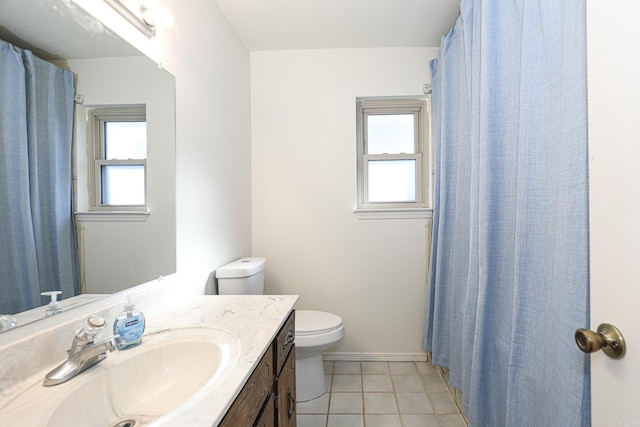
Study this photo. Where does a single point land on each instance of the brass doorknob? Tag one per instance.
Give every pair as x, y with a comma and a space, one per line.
608, 338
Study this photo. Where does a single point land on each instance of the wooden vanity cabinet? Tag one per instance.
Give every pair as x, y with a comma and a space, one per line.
249, 403
284, 341
285, 384
267, 417
286, 389
268, 399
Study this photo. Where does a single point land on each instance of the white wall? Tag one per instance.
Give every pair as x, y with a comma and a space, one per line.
370, 272
117, 255
213, 157
301, 113
211, 67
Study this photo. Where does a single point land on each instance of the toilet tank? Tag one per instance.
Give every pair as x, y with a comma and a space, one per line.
244, 276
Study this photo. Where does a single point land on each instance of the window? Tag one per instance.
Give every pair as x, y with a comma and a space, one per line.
118, 148
392, 153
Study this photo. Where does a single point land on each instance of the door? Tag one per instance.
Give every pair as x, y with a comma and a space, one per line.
613, 58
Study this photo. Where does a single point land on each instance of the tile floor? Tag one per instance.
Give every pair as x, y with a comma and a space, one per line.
381, 394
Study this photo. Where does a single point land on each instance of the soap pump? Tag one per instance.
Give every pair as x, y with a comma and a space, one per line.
129, 325
54, 305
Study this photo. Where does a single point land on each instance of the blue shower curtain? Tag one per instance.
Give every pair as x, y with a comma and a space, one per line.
509, 275
37, 234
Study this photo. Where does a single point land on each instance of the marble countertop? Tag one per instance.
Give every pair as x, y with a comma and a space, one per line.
253, 320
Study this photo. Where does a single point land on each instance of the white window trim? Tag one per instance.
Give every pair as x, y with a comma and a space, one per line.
112, 216
419, 105
393, 213
95, 146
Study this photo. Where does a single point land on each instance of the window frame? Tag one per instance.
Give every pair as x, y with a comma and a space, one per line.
418, 106
97, 117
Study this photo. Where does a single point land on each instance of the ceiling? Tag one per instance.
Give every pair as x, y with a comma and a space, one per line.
262, 25
319, 24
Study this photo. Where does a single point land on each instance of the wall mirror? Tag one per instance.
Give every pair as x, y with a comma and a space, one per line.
117, 250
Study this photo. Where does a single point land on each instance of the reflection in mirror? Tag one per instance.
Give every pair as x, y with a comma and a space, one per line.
117, 247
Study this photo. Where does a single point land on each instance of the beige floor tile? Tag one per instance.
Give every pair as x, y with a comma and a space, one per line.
426, 368
319, 405
375, 368
452, 420
414, 403
346, 368
328, 367
303, 420
443, 403
387, 394
407, 383
433, 382
376, 383
340, 420
343, 383
376, 420
420, 420
380, 403
345, 403
402, 368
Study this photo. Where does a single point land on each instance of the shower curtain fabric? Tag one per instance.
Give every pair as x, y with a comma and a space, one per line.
509, 273
37, 234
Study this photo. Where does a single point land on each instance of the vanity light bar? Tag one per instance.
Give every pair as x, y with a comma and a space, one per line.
143, 26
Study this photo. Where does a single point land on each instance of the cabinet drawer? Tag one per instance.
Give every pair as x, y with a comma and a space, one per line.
247, 406
284, 341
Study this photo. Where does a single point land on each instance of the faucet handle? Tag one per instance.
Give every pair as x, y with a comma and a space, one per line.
87, 332
90, 328
7, 322
96, 321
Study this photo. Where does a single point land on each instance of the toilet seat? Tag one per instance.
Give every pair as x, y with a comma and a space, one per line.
317, 331
313, 322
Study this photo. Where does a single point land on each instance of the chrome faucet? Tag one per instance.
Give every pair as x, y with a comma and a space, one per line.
84, 352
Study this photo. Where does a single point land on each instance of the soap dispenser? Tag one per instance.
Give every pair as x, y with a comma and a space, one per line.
129, 325
54, 305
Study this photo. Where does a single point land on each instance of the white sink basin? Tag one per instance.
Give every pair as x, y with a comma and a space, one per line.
134, 387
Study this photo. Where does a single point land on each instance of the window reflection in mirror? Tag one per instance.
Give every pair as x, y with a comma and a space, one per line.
117, 250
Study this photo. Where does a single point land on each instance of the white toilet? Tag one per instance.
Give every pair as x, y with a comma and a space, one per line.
316, 331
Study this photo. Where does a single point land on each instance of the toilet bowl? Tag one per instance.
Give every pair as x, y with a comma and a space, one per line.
316, 331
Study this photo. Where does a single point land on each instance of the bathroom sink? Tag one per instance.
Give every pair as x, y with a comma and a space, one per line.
135, 387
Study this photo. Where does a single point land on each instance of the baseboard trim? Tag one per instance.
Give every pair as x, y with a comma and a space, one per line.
374, 357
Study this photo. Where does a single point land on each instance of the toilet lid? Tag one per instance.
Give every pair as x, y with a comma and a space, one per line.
310, 322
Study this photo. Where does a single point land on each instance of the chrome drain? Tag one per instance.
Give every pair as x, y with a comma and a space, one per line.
125, 423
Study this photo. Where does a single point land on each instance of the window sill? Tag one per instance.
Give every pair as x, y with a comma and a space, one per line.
112, 216
411, 213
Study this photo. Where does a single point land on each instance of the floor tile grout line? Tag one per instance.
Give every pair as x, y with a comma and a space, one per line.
364, 419
436, 413
395, 396
330, 391
364, 422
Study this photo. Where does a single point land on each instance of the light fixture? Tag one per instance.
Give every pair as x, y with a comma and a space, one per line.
135, 17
